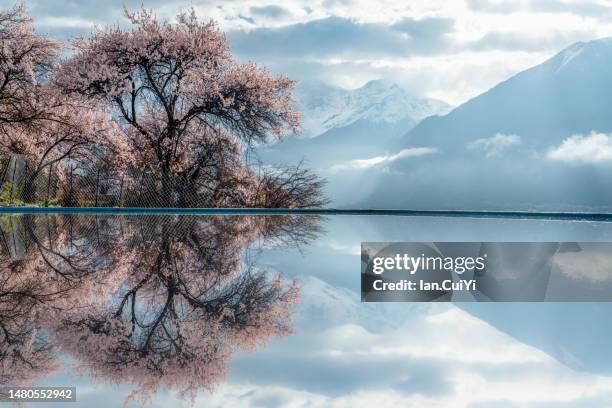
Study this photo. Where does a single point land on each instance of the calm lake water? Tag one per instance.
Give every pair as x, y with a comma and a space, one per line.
265, 311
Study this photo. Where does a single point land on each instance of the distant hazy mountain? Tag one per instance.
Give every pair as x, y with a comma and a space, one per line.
326, 107
340, 125
540, 140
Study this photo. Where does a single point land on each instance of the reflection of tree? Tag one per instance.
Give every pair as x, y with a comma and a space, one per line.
151, 301
25, 352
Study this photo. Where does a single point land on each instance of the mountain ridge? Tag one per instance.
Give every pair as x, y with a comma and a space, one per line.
325, 107
494, 152
545, 91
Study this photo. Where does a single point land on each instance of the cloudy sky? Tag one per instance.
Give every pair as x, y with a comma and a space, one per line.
448, 49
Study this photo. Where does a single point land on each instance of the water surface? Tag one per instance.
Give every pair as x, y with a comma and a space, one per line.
238, 310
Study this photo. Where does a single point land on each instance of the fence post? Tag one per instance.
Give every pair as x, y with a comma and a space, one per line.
71, 196
5, 171
120, 202
97, 185
13, 178
26, 189
142, 174
48, 186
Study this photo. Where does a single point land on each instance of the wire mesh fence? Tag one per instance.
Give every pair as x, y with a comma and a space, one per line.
79, 184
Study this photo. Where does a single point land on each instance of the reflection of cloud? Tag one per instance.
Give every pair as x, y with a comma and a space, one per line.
431, 356
345, 248
374, 161
593, 265
347, 365
494, 145
594, 148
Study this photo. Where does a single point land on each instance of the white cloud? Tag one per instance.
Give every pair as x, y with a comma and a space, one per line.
592, 149
64, 22
533, 30
494, 145
375, 161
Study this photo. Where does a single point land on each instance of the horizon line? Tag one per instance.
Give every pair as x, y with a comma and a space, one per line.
550, 215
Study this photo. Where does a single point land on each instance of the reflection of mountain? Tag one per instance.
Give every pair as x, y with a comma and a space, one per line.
154, 302
570, 332
342, 306
560, 330
425, 356
494, 150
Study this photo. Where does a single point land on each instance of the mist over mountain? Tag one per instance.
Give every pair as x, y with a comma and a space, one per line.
540, 140
340, 126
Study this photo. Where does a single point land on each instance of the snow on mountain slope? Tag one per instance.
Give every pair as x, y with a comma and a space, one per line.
581, 54
538, 140
323, 304
326, 107
567, 94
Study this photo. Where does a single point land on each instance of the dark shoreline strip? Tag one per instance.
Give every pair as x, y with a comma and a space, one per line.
572, 216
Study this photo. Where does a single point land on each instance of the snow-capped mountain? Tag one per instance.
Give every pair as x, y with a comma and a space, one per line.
340, 125
325, 107
569, 93
539, 140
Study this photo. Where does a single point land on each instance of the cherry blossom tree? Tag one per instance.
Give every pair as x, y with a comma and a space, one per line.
184, 103
164, 104
36, 119
26, 60
77, 132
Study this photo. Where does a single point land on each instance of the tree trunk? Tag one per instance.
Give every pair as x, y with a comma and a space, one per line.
13, 179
